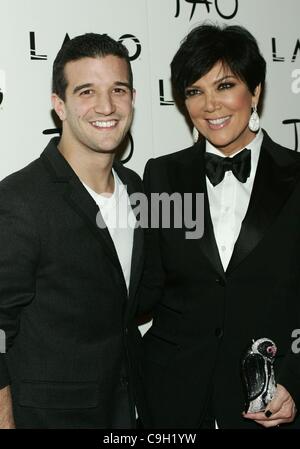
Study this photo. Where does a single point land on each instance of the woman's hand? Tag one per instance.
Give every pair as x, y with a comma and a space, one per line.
281, 410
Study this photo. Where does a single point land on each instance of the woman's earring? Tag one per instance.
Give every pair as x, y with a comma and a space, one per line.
195, 134
254, 120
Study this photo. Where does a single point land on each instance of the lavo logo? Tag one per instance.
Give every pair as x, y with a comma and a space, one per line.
129, 40
162, 99
277, 58
207, 3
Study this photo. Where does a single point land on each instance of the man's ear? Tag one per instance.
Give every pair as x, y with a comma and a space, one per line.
59, 106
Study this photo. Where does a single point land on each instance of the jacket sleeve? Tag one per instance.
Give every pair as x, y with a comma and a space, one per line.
19, 249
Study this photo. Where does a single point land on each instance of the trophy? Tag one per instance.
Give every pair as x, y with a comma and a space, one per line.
258, 374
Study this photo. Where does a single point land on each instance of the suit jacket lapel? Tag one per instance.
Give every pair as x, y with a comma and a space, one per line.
272, 187
191, 179
78, 198
82, 202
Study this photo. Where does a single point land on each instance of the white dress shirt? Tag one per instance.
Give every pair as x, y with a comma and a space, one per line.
229, 201
120, 220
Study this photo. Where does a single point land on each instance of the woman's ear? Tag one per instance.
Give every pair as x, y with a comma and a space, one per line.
256, 96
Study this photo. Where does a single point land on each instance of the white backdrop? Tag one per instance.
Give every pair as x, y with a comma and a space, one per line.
32, 32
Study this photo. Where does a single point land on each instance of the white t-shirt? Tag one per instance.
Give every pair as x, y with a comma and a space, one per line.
120, 220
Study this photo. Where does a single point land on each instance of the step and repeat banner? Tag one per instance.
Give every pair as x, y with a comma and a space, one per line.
32, 32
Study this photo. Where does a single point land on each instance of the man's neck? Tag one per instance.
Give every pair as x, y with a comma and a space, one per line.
92, 168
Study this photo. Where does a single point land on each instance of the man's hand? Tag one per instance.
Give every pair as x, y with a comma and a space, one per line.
281, 410
6, 412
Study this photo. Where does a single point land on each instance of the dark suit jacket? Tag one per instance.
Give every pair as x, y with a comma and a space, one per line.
206, 318
69, 322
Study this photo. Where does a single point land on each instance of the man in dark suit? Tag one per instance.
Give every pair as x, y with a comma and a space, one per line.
241, 280
68, 270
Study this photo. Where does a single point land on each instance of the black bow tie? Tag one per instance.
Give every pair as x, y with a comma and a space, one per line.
216, 166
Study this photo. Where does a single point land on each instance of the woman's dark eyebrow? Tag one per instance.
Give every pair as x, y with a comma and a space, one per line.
224, 78
215, 82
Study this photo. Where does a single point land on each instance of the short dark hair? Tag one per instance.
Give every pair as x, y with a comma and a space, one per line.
89, 45
206, 45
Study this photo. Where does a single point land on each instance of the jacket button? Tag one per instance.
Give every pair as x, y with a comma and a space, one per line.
220, 281
124, 381
219, 332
